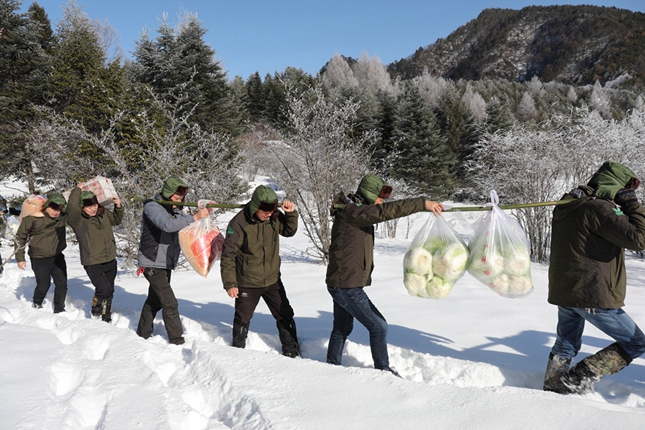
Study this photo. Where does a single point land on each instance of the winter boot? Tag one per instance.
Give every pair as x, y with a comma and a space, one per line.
556, 368
584, 375
107, 310
97, 308
288, 337
240, 332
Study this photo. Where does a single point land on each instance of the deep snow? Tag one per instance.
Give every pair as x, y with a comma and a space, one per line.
471, 360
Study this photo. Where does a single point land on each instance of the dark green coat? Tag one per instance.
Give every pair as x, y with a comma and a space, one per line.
587, 263
351, 253
45, 235
94, 234
251, 251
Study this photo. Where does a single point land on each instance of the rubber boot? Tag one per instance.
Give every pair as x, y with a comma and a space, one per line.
584, 375
97, 308
556, 368
240, 332
288, 338
106, 314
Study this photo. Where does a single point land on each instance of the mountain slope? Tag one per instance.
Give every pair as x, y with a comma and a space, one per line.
571, 44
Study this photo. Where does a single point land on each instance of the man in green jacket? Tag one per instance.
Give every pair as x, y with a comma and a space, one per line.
93, 227
587, 277
250, 265
44, 231
351, 261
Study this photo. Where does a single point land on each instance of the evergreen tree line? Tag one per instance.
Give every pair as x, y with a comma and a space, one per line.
72, 108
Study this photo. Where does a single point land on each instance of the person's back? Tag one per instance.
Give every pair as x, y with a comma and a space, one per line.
587, 277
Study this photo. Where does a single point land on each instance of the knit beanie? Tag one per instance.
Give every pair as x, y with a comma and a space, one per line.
370, 187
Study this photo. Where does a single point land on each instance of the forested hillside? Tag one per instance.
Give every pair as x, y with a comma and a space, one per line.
570, 44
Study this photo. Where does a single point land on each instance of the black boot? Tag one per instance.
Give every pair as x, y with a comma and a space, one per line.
97, 307
556, 368
584, 375
107, 310
288, 337
240, 332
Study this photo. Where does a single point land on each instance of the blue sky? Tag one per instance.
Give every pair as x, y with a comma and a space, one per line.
267, 36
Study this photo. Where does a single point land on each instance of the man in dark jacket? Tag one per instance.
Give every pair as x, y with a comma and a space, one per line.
159, 254
92, 225
587, 277
44, 230
250, 265
351, 263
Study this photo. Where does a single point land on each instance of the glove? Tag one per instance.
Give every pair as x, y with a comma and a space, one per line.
625, 196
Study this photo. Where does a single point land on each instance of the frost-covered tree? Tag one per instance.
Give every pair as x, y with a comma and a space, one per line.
526, 109
475, 104
431, 87
210, 168
371, 74
338, 74
599, 100
528, 164
318, 157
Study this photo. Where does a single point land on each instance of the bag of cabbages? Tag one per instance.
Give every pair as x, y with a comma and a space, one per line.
201, 242
500, 253
436, 259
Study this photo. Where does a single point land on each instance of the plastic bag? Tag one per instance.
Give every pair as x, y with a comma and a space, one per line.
436, 259
201, 242
32, 206
101, 187
12, 227
500, 254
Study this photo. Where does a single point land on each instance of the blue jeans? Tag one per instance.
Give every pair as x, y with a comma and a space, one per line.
615, 323
350, 303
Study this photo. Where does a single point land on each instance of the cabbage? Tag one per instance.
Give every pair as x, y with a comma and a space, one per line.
450, 263
483, 266
521, 284
517, 265
415, 284
434, 244
438, 288
419, 261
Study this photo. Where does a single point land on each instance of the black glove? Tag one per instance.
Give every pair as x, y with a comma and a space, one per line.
625, 196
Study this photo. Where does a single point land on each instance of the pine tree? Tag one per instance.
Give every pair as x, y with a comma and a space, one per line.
255, 102
179, 65
457, 125
424, 156
25, 66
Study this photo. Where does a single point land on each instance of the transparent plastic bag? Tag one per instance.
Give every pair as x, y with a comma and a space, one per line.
435, 260
201, 243
500, 254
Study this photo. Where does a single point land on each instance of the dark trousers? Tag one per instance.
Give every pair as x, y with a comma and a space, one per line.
102, 277
160, 297
46, 269
274, 296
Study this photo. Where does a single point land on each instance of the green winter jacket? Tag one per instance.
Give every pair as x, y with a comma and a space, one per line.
251, 251
351, 253
589, 234
94, 234
45, 235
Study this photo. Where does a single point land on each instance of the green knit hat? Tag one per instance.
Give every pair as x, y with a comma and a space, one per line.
610, 178
171, 185
57, 199
370, 187
263, 197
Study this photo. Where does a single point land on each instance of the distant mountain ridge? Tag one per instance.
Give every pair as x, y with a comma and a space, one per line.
570, 44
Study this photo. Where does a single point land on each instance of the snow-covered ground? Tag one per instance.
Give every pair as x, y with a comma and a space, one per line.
473, 360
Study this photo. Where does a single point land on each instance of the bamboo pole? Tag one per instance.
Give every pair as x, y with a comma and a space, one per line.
452, 209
